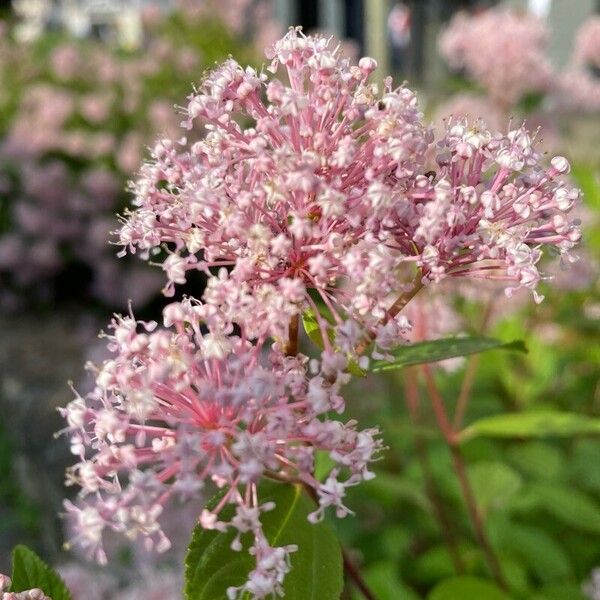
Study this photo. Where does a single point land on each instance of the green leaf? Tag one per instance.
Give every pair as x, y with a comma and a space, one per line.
383, 580
587, 179
30, 571
312, 329
584, 465
323, 464
493, 483
433, 565
540, 460
535, 548
211, 566
570, 505
436, 350
533, 424
461, 588
515, 575
565, 591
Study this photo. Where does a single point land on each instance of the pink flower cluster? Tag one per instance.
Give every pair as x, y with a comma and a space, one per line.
310, 191
321, 185
587, 43
78, 120
580, 83
500, 50
176, 407
33, 594
489, 211
292, 202
77, 132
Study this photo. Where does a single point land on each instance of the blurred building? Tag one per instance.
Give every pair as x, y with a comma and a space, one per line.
118, 20
375, 27
366, 22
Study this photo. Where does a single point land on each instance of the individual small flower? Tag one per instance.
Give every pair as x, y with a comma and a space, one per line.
501, 50
299, 165
33, 594
489, 211
190, 403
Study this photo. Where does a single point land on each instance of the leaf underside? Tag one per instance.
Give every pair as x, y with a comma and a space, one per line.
443, 349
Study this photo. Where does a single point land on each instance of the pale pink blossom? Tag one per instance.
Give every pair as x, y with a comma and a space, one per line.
177, 407
489, 211
503, 51
580, 83
298, 193
587, 43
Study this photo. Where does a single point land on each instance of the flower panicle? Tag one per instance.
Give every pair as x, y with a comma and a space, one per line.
186, 404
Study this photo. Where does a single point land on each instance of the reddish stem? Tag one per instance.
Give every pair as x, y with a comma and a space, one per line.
354, 574
398, 305
413, 401
459, 466
470, 373
291, 348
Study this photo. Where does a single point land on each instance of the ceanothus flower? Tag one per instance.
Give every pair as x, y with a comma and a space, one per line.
287, 189
178, 406
314, 189
490, 210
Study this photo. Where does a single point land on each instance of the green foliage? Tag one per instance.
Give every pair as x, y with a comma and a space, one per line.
560, 592
537, 459
29, 571
532, 425
573, 507
12, 496
384, 582
588, 179
534, 548
461, 588
312, 329
494, 484
436, 350
531, 102
212, 566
